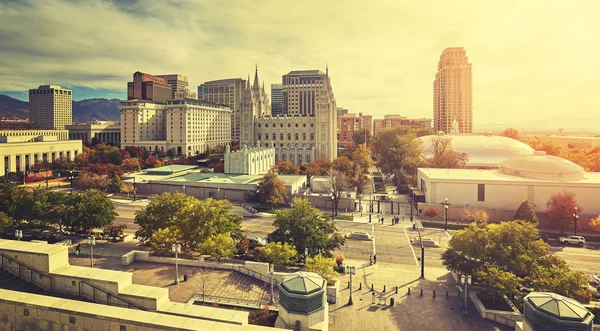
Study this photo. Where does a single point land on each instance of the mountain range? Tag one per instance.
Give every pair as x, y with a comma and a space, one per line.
83, 110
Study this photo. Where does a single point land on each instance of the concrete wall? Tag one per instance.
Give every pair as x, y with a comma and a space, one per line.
508, 318
324, 202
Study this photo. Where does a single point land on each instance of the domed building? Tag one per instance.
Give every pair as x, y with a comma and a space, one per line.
550, 311
534, 177
484, 151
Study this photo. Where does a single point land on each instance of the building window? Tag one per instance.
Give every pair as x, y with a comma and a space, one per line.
73, 283
25, 312
480, 192
122, 328
72, 319
289, 136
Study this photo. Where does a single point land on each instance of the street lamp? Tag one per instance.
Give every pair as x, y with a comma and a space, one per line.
92, 242
352, 271
465, 279
134, 191
59, 179
183, 189
271, 271
18, 234
446, 214
575, 219
332, 206
71, 180
176, 248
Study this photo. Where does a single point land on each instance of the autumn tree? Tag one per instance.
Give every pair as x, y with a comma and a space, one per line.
342, 164
545, 145
339, 184
474, 214
278, 253
587, 158
398, 152
560, 209
526, 213
287, 168
127, 187
595, 224
443, 156
361, 162
305, 227
271, 190
219, 168
512, 133
319, 167
131, 165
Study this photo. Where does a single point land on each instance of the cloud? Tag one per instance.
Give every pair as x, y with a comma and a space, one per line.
530, 59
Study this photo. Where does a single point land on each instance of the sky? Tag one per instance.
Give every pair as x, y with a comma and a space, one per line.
531, 59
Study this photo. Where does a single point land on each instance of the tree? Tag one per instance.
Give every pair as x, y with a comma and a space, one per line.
116, 184
159, 213
361, 162
443, 156
432, 212
595, 224
425, 132
89, 180
200, 277
287, 168
343, 164
339, 186
4, 221
163, 239
219, 247
131, 165
359, 137
506, 254
127, 187
552, 274
512, 133
525, 213
305, 227
397, 150
587, 158
219, 168
279, 254
319, 167
271, 190
545, 145
324, 266
560, 209
474, 214
90, 209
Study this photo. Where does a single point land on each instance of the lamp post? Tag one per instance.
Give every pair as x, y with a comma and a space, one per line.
575, 219
59, 179
92, 242
445, 214
71, 180
18, 234
332, 206
465, 279
351, 270
46, 177
184, 189
176, 248
271, 271
134, 191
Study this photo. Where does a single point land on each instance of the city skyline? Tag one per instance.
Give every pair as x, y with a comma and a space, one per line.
524, 67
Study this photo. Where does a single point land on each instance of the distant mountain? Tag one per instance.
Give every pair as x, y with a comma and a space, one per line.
552, 124
83, 110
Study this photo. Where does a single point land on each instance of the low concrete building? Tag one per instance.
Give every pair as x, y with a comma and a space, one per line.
107, 132
19, 153
303, 303
551, 311
31, 134
528, 177
112, 294
249, 161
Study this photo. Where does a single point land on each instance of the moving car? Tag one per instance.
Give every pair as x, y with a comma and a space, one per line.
572, 240
359, 235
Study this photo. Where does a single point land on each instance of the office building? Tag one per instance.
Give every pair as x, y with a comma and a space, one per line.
9, 124
20, 153
178, 83
107, 132
149, 87
34, 133
452, 92
347, 125
228, 92
308, 128
51, 106
341, 111
392, 120
276, 99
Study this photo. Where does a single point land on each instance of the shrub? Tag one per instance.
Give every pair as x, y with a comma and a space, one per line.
432, 212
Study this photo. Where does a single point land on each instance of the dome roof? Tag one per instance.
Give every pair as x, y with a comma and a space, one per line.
542, 166
558, 306
483, 150
303, 283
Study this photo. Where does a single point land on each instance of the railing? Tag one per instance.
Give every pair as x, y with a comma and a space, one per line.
245, 206
109, 296
229, 301
32, 270
255, 274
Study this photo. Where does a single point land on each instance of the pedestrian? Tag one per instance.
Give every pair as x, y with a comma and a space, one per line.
374, 258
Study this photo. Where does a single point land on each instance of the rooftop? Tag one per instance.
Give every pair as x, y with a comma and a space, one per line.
169, 170
479, 175
305, 72
558, 306
303, 282
30, 247
542, 166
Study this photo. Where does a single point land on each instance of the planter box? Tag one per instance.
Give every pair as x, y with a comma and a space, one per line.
332, 292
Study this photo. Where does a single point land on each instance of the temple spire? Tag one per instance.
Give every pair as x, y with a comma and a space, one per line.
327, 69
256, 83
248, 82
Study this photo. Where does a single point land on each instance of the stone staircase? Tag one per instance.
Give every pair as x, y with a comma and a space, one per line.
11, 282
240, 288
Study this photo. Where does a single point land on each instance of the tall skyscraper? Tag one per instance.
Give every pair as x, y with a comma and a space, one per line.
276, 99
303, 90
51, 106
178, 83
452, 92
228, 92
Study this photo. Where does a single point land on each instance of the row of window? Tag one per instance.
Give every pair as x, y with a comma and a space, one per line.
289, 136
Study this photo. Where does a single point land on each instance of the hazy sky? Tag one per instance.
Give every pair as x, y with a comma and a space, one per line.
530, 58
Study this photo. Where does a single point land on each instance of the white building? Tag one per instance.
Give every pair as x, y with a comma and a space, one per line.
527, 177
186, 126
51, 106
249, 161
107, 132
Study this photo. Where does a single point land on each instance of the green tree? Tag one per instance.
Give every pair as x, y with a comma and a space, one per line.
343, 164
359, 137
219, 247
90, 209
501, 281
324, 266
4, 221
552, 274
398, 152
304, 226
560, 209
443, 156
525, 213
271, 190
279, 254
159, 213
163, 239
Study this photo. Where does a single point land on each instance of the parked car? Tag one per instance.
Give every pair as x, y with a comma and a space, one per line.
427, 242
543, 236
572, 240
595, 279
359, 235
254, 242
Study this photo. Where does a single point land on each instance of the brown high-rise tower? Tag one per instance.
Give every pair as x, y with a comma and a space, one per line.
452, 92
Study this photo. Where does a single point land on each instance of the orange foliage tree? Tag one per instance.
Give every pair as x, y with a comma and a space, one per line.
560, 209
